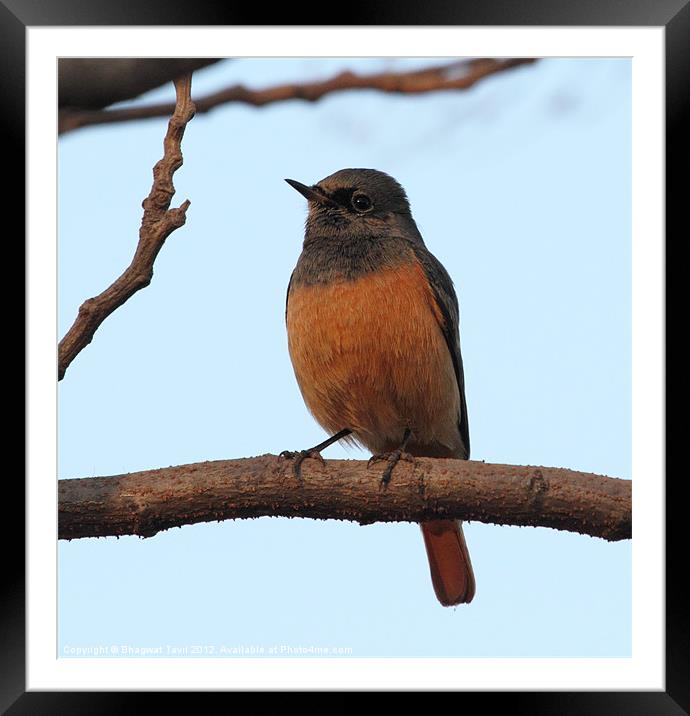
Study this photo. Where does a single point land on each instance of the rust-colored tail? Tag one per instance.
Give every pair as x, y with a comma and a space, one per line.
449, 562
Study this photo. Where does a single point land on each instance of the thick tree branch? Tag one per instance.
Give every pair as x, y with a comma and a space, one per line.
145, 503
158, 222
90, 83
453, 76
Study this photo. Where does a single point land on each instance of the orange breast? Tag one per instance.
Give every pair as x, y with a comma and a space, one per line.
370, 355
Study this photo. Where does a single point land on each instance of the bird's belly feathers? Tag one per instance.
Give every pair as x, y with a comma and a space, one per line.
369, 355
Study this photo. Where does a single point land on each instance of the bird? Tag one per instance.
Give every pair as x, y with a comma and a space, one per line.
372, 322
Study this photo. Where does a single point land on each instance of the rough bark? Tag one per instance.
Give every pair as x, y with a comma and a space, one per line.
145, 503
158, 222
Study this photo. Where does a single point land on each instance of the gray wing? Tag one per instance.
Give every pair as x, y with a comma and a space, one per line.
447, 301
287, 295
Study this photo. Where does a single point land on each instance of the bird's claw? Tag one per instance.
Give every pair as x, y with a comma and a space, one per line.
392, 459
298, 457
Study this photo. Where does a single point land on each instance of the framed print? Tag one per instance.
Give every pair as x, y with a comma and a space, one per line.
529, 151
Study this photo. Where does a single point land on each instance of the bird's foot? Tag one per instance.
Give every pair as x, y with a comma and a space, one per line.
392, 459
299, 457
315, 452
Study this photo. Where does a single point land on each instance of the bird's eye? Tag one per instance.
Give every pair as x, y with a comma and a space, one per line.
361, 202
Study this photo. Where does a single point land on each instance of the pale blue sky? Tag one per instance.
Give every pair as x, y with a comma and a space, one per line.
521, 187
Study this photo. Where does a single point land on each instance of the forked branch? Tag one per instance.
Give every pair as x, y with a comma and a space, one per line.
158, 222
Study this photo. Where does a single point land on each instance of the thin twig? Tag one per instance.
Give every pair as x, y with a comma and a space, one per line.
158, 222
452, 76
145, 503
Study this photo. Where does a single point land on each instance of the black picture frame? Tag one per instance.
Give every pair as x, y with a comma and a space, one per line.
673, 15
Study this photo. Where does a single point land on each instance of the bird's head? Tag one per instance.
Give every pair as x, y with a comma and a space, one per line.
354, 200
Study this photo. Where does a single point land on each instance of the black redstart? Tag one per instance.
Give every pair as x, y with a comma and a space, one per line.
372, 323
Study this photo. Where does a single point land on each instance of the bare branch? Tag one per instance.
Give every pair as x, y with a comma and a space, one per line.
453, 76
145, 503
158, 222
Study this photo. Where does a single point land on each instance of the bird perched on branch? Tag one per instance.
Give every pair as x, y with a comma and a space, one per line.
372, 323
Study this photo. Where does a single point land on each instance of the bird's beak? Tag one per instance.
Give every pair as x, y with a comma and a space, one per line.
311, 193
